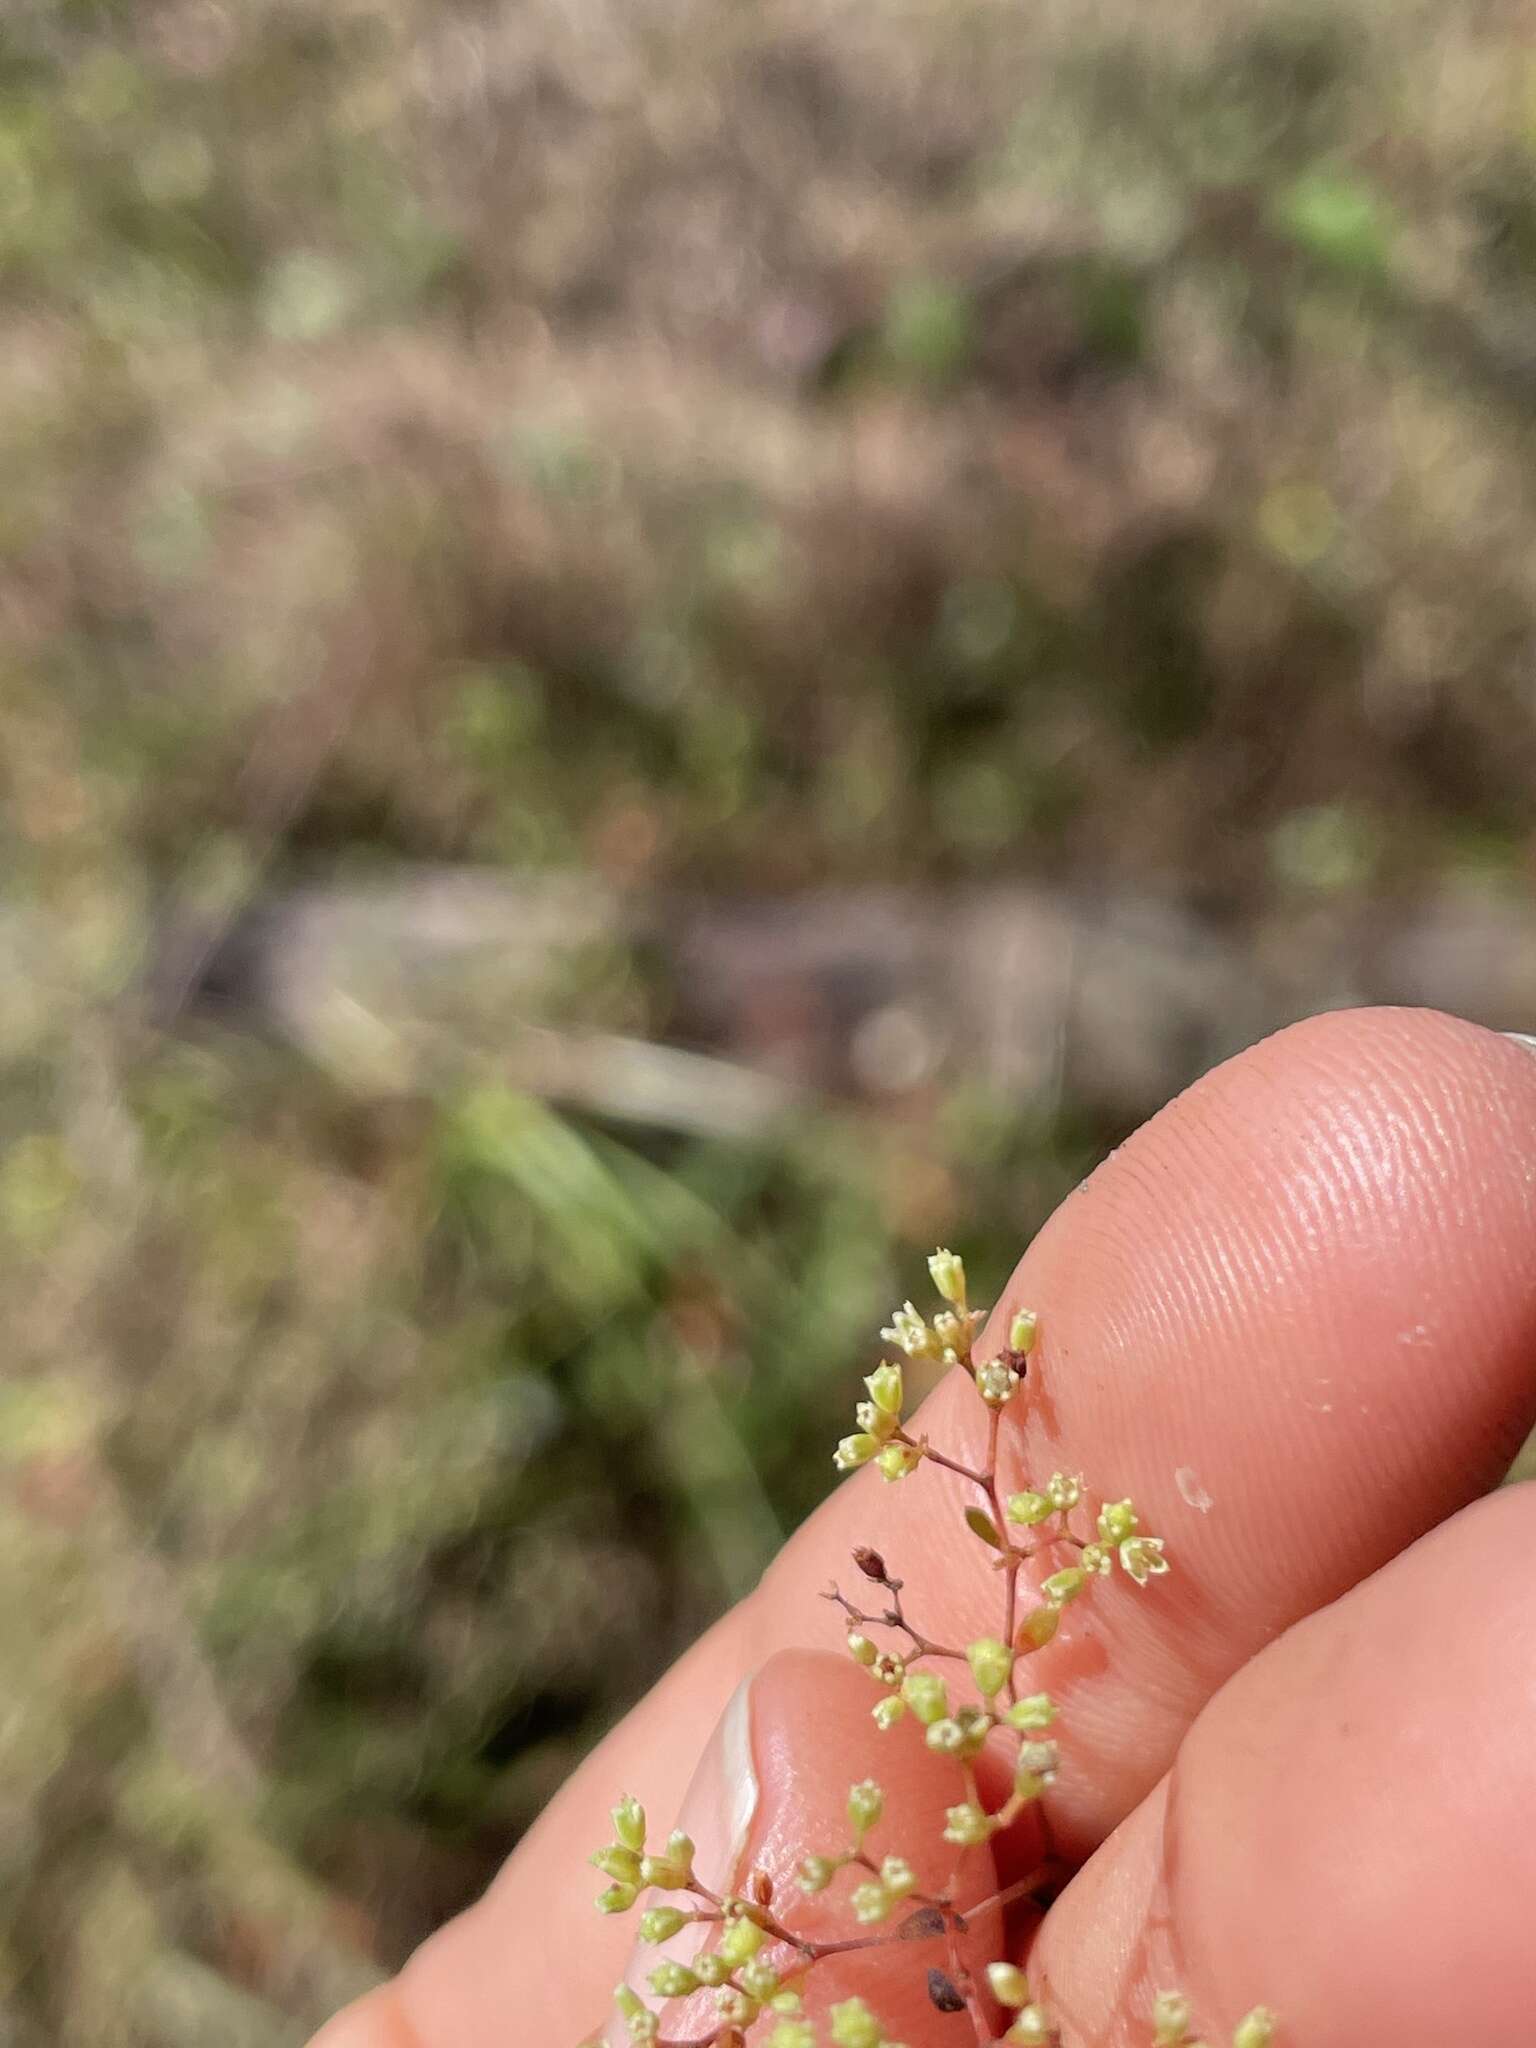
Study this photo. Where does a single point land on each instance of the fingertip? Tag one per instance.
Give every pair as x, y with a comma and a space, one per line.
1295, 1317
1359, 1794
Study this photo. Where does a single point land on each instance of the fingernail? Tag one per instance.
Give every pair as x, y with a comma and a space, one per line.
717, 1814
1522, 1038
722, 1800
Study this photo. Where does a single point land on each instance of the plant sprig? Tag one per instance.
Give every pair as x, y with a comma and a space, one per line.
751, 1957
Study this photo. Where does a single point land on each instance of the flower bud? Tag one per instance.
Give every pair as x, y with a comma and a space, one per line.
792, 2034
885, 1389
874, 1422
898, 1877
673, 1980
1038, 1627
927, 1695
854, 1451
1022, 1330
866, 1803
672, 1869
629, 1824
853, 2025
991, 1665
888, 1712
1010, 1986
740, 1942
948, 1273
1171, 2018
815, 1874
617, 1899
1030, 2029
1063, 1586
1036, 1711
1117, 1522
1257, 2030
871, 1903
1031, 1509
661, 1923
861, 1649
622, 1865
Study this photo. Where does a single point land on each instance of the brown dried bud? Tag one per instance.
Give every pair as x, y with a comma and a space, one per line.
924, 1924
762, 1887
943, 1993
871, 1564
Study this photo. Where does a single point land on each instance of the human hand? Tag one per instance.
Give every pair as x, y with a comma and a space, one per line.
1295, 1317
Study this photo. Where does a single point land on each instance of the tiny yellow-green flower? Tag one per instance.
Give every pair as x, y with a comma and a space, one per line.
968, 1825
897, 1461
1117, 1522
1143, 1558
740, 1942
854, 2025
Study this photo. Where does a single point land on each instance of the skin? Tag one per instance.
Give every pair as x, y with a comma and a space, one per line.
1295, 1319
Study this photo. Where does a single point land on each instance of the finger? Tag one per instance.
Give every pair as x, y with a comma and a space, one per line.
1349, 1832
1294, 1316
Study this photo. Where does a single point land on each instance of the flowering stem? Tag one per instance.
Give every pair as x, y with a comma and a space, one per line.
1013, 1558
933, 1457
753, 1986
894, 1617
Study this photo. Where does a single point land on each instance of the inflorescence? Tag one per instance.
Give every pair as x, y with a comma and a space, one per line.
750, 1958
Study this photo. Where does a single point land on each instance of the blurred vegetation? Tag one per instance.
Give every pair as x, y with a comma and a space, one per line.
687, 445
